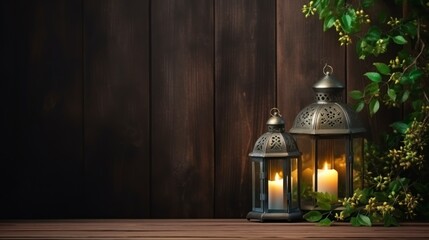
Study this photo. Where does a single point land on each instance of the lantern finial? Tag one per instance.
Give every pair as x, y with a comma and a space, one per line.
327, 69
276, 122
275, 112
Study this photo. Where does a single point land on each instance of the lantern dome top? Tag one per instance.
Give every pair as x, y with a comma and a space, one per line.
328, 82
276, 142
328, 115
276, 123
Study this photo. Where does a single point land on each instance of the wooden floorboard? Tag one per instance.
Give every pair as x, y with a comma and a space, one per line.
199, 229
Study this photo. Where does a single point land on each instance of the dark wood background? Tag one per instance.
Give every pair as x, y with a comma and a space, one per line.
148, 109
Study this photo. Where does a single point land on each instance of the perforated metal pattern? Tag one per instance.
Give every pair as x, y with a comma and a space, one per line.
275, 143
331, 116
323, 97
327, 118
276, 129
305, 117
328, 97
260, 143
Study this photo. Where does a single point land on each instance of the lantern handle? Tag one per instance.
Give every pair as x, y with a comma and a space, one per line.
275, 112
327, 69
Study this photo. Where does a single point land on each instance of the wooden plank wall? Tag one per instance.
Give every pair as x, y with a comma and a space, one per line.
41, 87
148, 109
244, 93
182, 136
116, 108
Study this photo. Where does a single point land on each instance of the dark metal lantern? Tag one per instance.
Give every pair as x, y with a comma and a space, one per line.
329, 135
276, 167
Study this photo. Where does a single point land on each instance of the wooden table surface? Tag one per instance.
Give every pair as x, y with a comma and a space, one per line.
199, 229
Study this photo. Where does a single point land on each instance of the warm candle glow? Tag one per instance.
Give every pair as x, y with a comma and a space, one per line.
327, 180
325, 167
275, 192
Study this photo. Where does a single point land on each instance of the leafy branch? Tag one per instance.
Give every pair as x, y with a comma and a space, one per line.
395, 186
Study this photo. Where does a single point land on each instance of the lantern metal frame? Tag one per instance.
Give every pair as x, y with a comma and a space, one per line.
321, 130
275, 148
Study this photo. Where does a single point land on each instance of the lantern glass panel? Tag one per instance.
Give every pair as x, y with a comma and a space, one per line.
306, 145
331, 166
294, 202
358, 163
277, 184
257, 185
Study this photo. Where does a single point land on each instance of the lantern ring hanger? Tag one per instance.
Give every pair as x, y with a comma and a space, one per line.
327, 69
275, 112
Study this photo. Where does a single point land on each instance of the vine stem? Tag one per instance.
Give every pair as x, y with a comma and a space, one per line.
417, 57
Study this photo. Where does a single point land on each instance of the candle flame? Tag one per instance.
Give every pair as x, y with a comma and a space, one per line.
325, 166
277, 177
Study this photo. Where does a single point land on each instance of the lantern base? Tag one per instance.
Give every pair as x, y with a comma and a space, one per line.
263, 216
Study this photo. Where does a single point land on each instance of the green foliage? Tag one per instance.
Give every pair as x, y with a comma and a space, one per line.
313, 216
400, 79
324, 200
363, 220
396, 185
325, 222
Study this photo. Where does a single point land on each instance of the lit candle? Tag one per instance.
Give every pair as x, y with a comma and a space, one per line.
275, 192
327, 180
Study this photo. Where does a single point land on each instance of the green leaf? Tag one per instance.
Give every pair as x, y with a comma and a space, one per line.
395, 185
405, 80
374, 106
400, 127
404, 181
367, 3
326, 197
373, 76
355, 222
324, 205
365, 195
324, 13
399, 40
415, 74
348, 210
373, 34
405, 96
326, 222
392, 94
410, 28
346, 22
359, 106
313, 216
417, 105
356, 94
322, 3
329, 22
372, 88
361, 48
364, 220
380, 197
382, 68
390, 221
340, 3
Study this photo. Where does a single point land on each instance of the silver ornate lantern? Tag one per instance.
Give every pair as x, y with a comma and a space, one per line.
330, 137
276, 168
